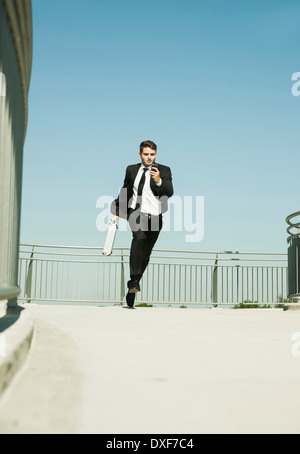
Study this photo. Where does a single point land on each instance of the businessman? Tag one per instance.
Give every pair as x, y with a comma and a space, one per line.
142, 201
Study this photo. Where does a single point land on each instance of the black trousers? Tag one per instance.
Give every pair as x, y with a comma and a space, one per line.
145, 231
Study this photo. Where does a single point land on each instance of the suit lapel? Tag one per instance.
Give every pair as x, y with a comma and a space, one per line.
135, 170
132, 176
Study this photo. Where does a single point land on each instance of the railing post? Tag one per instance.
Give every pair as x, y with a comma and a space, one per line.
28, 284
215, 283
122, 284
237, 283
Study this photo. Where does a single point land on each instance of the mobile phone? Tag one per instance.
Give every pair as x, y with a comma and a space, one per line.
155, 165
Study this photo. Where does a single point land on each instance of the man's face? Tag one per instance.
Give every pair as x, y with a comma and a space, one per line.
148, 156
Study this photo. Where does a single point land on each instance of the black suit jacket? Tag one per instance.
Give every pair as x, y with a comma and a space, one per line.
120, 206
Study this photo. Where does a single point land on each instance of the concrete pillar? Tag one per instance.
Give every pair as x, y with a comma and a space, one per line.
15, 68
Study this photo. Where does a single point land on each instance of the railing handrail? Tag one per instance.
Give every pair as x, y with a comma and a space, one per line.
127, 255
123, 248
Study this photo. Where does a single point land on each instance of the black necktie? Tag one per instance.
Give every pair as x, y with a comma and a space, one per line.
140, 189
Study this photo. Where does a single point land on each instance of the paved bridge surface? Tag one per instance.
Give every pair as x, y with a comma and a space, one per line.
114, 370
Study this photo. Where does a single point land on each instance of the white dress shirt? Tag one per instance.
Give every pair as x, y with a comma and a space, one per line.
150, 203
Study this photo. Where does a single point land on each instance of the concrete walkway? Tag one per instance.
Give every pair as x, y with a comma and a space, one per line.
157, 371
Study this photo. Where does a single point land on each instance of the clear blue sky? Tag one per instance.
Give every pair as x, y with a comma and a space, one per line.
209, 81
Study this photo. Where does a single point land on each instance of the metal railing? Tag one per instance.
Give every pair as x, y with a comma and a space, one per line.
174, 277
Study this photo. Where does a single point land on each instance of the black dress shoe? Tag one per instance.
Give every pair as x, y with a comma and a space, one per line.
133, 286
130, 297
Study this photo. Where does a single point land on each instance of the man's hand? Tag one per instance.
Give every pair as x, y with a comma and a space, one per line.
155, 174
114, 219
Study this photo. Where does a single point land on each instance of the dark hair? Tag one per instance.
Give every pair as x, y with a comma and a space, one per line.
149, 144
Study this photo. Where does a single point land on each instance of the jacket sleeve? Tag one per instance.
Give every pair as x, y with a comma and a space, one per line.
119, 205
166, 187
